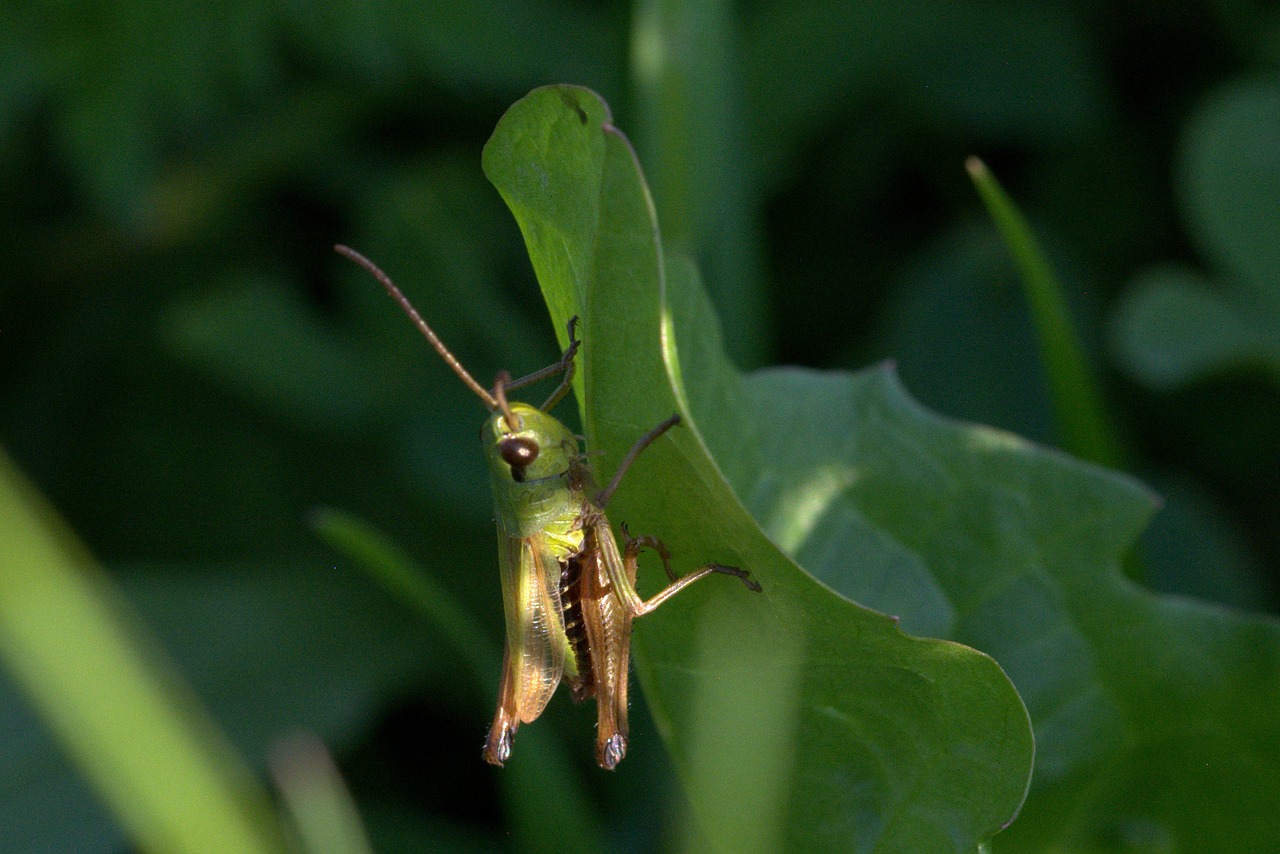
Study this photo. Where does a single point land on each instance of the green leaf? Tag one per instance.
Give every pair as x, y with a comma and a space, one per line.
114, 703
797, 717
1154, 716
1175, 326
1230, 182
1172, 327
1141, 704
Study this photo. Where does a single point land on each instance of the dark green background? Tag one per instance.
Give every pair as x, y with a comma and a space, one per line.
186, 369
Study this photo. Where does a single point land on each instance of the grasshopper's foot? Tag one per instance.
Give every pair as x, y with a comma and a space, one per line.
736, 572
497, 747
610, 751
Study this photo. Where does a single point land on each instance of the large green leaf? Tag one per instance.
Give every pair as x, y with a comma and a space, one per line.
1155, 716
796, 716
1143, 706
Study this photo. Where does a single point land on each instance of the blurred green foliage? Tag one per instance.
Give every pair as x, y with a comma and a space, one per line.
187, 371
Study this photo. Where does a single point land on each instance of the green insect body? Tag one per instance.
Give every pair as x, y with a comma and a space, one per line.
568, 592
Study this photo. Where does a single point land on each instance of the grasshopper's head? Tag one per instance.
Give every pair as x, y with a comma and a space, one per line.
541, 447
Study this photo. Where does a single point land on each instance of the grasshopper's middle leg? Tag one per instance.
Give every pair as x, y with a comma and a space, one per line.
623, 582
621, 570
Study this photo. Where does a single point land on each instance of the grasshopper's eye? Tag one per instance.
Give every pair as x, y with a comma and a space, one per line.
519, 452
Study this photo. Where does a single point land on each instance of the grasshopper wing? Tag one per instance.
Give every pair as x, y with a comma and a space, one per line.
536, 641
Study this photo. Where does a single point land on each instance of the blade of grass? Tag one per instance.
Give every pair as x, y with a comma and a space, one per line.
317, 798
1087, 430
118, 707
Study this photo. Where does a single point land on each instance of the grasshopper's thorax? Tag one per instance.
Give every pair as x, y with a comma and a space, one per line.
547, 496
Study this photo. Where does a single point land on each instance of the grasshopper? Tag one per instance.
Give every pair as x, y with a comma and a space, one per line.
568, 592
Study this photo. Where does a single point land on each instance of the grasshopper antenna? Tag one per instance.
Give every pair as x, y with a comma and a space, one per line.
500, 386
451, 360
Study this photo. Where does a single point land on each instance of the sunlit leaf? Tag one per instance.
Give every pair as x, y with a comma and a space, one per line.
847, 732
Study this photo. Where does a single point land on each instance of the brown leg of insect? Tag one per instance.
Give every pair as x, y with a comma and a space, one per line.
497, 747
631, 556
643, 442
608, 628
611, 712
610, 602
644, 541
564, 366
621, 572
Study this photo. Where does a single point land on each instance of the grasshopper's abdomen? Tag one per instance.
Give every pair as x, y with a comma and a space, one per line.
583, 683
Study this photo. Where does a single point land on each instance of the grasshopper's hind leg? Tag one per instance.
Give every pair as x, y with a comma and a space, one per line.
497, 747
